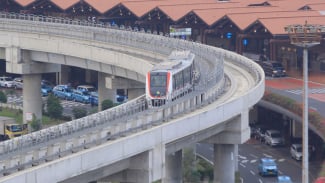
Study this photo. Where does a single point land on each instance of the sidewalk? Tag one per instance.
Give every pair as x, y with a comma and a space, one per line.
293, 88
314, 77
294, 84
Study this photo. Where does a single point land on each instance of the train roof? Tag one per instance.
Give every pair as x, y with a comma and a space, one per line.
176, 60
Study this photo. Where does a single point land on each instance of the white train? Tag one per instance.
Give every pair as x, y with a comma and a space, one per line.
171, 78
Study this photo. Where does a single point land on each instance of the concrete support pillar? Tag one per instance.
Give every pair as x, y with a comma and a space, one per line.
224, 163
236, 157
64, 75
296, 129
103, 92
32, 101
90, 76
135, 92
173, 168
3, 53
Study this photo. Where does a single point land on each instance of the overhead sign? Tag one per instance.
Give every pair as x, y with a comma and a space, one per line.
173, 31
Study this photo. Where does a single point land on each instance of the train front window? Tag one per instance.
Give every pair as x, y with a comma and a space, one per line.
158, 80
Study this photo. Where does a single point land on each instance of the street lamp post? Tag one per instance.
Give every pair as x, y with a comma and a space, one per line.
305, 36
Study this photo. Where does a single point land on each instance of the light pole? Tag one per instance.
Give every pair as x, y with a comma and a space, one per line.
305, 36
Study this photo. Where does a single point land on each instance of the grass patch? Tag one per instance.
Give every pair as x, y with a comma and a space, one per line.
18, 116
12, 113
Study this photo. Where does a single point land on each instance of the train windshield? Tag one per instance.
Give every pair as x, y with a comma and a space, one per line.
158, 79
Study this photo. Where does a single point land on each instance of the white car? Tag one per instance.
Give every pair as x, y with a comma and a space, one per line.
296, 151
6, 82
273, 138
18, 83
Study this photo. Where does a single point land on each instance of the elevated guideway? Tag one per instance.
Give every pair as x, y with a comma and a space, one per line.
129, 143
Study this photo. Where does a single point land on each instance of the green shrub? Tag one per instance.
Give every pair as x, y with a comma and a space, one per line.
36, 124
54, 107
66, 118
106, 104
79, 112
3, 97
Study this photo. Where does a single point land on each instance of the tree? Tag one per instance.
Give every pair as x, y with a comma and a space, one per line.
190, 172
79, 112
36, 123
3, 97
54, 107
106, 104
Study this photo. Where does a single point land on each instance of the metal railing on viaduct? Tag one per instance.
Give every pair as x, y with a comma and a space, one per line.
132, 117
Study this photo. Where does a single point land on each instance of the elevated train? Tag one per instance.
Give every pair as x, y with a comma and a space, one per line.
171, 78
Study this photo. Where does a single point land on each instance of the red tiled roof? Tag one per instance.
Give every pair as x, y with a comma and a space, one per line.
319, 7
65, 4
103, 6
243, 20
176, 12
277, 27
24, 2
240, 12
140, 8
210, 16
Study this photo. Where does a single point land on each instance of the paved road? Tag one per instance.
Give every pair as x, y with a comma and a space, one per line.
252, 151
292, 88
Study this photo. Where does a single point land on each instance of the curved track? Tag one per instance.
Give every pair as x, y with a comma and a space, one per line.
243, 86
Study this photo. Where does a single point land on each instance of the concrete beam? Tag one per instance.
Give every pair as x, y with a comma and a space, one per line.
86, 64
237, 131
138, 171
135, 92
19, 61
100, 173
113, 82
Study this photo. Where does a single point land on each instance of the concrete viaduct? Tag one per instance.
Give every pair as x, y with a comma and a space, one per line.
128, 143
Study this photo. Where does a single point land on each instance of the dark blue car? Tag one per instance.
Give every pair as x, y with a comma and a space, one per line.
80, 96
45, 90
267, 166
63, 92
93, 98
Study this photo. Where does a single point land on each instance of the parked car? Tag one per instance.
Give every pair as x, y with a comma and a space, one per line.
273, 138
44, 92
253, 127
121, 98
86, 88
6, 82
93, 98
260, 133
18, 83
273, 68
296, 151
267, 166
46, 85
81, 96
284, 179
63, 92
